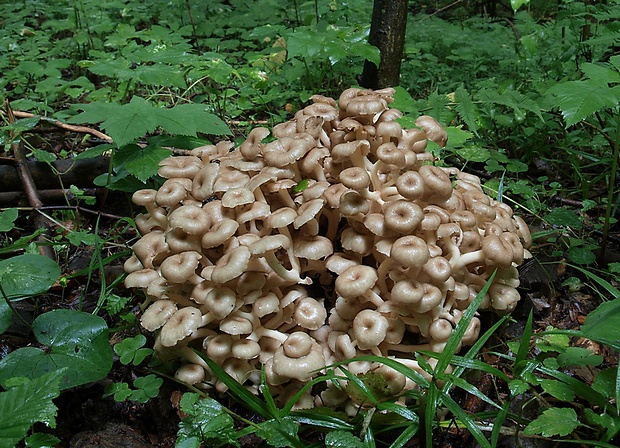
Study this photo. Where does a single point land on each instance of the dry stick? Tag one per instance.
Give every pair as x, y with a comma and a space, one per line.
60, 124
29, 188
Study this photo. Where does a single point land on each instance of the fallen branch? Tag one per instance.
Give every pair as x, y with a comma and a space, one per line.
30, 188
60, 124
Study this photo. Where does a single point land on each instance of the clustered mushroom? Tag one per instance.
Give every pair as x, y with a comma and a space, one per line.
339, 235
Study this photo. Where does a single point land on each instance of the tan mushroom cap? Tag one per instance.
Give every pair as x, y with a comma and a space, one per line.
158, 314
182, 324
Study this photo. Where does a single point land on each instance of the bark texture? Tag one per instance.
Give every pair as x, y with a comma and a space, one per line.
387, 32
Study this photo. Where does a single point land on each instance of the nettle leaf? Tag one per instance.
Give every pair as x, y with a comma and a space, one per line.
27, 403
554, 422
304, 43
466, 108
74, 339
577, 100
41, 440
141, 162
27, 275
7, 219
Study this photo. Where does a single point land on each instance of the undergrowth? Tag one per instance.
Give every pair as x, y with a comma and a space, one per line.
531, 101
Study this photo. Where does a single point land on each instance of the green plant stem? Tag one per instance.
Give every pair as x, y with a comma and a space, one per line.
610, 193
13, 310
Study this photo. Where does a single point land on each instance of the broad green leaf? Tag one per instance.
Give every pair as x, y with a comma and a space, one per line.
516, 4
41, 440
466, 108
577, 100
27, 403
474, 153
304, 43
342, 439
404, 102
206, 420
558, 389
43, 156
160, 75
177, 120
602, 324
27, 275
206, 122
7, 219
6, 315
554, 422
581, 255
457, 136
600, 73
74, 339
141, 162
131, 121
278, 433
563, 217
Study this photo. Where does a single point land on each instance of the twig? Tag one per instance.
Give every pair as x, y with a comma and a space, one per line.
29, 187
60, 124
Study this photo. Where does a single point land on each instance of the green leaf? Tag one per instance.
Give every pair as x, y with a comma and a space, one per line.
205, 122
516, 4
278, 433
130, 350
43, 156
554, 422
564, 217
577, 100
6, 315
41, 440
74, 339
581, 255
466, 108
342, 439
147, 387
600, 73
27, 403
602, 324
7, 219
558, 389
474, 153
141, 162
206, 420
27, 275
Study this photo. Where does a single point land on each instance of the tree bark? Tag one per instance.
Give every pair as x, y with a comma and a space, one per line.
387, 32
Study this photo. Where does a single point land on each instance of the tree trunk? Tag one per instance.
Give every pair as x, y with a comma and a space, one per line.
387, 32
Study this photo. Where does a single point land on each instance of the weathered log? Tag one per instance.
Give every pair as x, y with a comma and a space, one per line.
80, 173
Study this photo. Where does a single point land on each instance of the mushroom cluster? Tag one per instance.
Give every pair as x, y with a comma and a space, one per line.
333, 235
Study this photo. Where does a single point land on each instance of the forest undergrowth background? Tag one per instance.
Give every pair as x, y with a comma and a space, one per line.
96, 94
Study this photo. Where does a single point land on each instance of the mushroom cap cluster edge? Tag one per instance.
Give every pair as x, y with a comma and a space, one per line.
331, 235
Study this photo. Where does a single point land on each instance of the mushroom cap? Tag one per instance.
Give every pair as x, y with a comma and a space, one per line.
182, 324
157, 314
309, 313
190, 374
410, 251
298, 357
191, 218
369, 329
403, 216
180, 267
355, 281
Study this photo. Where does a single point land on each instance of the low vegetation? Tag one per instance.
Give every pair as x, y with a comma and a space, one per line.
530, 98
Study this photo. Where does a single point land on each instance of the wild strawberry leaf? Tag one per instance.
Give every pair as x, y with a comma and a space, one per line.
554, 422
26, 403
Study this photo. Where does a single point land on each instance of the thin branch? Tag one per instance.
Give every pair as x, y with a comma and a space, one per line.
60, 124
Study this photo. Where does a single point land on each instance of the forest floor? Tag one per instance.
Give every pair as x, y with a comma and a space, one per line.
87, 419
